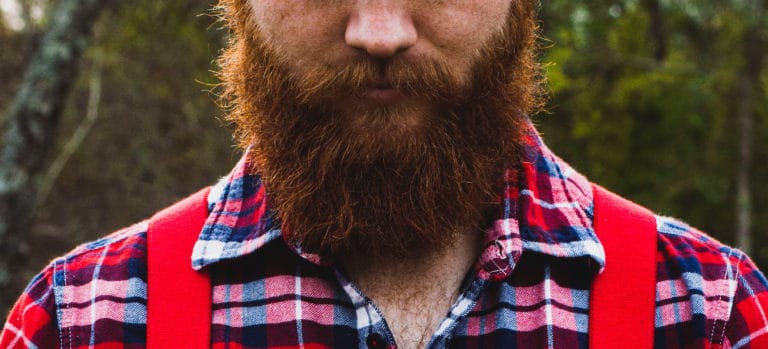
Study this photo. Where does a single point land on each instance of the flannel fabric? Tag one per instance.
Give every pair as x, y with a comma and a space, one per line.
529, 288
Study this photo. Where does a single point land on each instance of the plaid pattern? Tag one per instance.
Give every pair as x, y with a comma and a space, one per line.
528, 289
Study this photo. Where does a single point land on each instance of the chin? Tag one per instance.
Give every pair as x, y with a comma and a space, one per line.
397, 122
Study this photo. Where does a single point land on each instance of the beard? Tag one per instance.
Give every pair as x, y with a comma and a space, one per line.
369, 179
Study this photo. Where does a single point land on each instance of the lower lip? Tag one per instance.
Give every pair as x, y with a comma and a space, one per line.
383, 95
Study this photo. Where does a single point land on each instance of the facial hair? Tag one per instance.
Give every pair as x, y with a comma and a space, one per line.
363, 180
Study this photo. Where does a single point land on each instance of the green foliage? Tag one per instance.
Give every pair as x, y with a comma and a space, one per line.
158, 135
664, 131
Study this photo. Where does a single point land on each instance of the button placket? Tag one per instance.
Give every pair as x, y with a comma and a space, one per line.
375, 341
373, 329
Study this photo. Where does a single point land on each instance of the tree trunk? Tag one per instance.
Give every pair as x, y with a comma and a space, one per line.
656, 29
748, 83
31, 125
26, 15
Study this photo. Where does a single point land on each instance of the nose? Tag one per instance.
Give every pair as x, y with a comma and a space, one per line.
380, 31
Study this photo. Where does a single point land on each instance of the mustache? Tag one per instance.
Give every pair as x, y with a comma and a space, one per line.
423, 77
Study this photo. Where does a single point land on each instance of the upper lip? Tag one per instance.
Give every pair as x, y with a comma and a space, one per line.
381, 85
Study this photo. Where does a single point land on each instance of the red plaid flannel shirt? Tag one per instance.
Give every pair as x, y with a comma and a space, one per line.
530, 286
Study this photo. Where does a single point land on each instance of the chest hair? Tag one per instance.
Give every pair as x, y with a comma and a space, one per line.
414, 294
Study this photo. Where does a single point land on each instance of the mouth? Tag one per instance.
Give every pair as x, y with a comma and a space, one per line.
381, 92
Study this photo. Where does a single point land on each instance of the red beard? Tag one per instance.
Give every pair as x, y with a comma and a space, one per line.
366, 180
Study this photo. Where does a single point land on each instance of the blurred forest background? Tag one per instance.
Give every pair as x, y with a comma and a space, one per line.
663, 101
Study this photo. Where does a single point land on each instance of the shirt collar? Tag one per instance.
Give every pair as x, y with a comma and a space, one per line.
547, 208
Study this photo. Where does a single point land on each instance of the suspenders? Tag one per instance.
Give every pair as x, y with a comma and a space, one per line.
178, 297
622, 307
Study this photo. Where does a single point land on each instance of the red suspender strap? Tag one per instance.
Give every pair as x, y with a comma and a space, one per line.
178, 297
622, 308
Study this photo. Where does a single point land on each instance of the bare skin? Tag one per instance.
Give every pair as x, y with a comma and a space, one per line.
415, 293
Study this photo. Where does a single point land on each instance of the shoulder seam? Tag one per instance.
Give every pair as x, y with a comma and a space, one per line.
59, 267
58, 299
728, 310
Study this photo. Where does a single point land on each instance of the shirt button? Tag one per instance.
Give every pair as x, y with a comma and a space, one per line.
375, 341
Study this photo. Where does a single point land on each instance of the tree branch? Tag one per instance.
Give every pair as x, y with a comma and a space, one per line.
32, 120
77, 138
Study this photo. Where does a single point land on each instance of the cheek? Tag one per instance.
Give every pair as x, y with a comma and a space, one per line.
459, 31
304, 32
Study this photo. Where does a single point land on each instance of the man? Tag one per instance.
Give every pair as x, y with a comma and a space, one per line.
391, 177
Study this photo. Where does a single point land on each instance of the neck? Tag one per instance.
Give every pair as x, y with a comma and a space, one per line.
456, 257
415, 292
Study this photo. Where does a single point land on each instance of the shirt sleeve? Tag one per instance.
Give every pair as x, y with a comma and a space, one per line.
32, 321
748, 324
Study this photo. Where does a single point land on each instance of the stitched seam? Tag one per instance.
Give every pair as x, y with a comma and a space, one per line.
66, 339
737, 276
59, 310
722, 315
64, 296
715, 313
